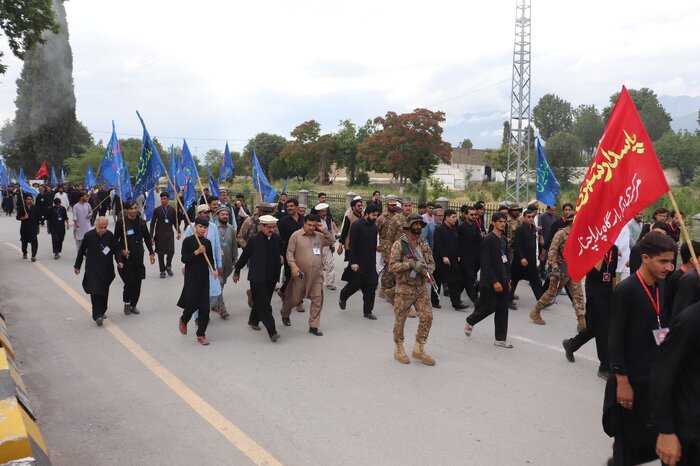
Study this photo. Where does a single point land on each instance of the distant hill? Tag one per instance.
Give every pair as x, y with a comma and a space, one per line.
683, 110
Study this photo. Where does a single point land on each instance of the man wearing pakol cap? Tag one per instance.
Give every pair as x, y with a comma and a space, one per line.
327, 223
251, 225
384, 245
361, 273
411, 260
264, 252
355, 214
195, 291
163, 222
394, 233
560, 279
305, 258
229, 254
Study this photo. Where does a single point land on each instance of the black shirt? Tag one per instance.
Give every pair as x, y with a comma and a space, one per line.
595, 283
675, 378
493, 268
363, 245
632, 320
525, 243
687, 292
287, 226
469, 244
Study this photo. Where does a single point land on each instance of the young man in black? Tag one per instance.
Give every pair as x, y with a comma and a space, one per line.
468, 249
525, 256
495, 282
674, 280
28, 214
600, 282
361, 273
163, 222
675, 384
195, 291
445, 253
57, 223
636, 331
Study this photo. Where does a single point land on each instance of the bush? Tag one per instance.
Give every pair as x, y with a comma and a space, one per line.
438, 189
361, 179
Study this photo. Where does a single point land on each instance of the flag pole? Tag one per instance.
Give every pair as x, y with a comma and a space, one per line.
187, 217
121, 203
260, 189
686, 236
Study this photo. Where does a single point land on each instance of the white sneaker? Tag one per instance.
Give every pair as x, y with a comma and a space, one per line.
502, 344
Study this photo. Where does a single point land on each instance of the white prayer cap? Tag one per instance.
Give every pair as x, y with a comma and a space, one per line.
398, 204
268, 220
202, 208
321, 206
357, 198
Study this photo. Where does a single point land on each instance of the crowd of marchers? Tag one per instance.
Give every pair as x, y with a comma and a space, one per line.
639, 302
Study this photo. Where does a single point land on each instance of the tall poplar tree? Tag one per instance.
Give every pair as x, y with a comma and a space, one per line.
45, 125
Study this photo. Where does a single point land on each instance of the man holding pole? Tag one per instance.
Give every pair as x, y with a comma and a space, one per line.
131, 233
163, 223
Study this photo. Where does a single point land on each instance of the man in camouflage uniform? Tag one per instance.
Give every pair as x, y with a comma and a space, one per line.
412, 263
514, 213
250, 228
393, 234
384, 245
251, 225
559, 279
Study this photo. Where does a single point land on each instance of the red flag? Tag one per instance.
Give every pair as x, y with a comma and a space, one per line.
43, 172
624, 178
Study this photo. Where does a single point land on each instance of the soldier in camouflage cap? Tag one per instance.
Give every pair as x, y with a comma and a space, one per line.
384, 245
412, 261
394, 232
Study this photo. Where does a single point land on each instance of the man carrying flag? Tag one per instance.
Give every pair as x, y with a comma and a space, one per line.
162, 225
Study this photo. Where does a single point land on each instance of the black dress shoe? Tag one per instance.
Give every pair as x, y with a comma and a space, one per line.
274, 337
567, 350
286, 321
315, 331
437, 306
169, 271
254, 326
341, 303
603, 374
460, 307
370, 316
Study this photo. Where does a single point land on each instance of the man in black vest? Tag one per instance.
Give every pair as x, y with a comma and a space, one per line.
468, 249
133, 271
56, 225
446, 258
264, 252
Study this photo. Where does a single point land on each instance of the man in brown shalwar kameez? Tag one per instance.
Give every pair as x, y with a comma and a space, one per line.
304, 256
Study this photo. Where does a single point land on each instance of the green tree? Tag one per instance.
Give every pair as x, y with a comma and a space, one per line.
497, 159
680, 151
466, 144
310, 152
213, 159
24, 23
45, 125
588, 127
267, 147
408, 145
551, 115
655, 118
346, 142
564, 156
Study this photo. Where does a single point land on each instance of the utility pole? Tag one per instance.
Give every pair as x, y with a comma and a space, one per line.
518, 171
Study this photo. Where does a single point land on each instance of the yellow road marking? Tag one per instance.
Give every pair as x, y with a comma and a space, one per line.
229, 430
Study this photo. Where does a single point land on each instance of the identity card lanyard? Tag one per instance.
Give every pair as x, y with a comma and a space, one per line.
660, 332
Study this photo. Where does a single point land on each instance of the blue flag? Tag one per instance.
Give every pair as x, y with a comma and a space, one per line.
547, 184
63, 177
113, 168
226, 165
54, 180
150, 204
150, 167
4, 176
14, 178
213, 187
284, 188
26, 187
90, 179
174, 167
268, 192
187, 176
125, 182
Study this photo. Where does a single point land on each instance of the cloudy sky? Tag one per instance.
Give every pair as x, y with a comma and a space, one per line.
212, 71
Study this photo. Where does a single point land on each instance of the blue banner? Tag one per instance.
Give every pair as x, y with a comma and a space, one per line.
226, 165
547, 184
150, 204
90, 179
187, 176
213, 187
54, 180
268, 192
172, 172
150, 167
284, 188
26, 187
63, 177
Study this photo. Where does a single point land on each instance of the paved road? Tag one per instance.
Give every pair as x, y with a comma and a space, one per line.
136, 392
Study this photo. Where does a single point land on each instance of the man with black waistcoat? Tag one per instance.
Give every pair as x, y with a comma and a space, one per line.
636, 331
447, 259
468, 249
264, 252
133, 272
